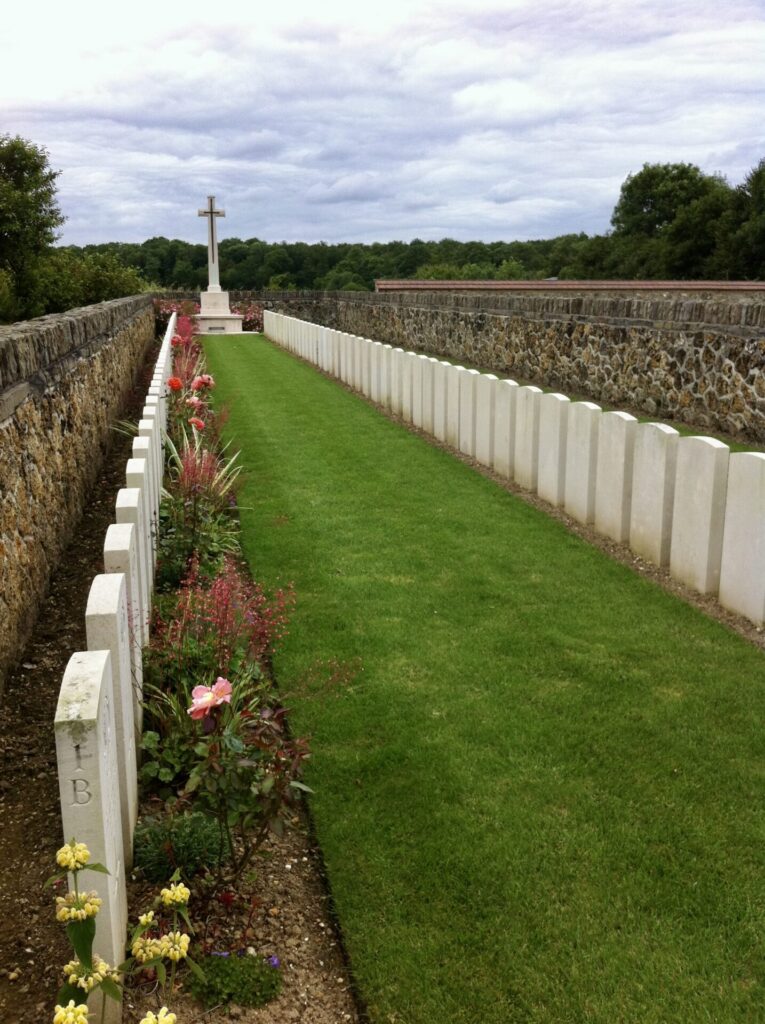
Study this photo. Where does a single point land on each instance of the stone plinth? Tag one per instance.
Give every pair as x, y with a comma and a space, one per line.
215, 316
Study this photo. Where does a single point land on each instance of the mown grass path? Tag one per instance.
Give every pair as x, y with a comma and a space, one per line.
542, 798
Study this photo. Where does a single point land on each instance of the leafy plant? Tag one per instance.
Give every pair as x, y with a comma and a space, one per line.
184, 842
240, 979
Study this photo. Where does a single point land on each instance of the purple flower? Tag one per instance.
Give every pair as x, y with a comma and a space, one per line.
274, 961
215, 953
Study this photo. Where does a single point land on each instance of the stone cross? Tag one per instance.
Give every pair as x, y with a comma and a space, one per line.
212, 243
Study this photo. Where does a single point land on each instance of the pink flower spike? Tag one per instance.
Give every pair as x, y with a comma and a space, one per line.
222, 691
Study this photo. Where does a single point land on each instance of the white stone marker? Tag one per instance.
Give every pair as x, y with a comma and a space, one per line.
581, 460
137, 475
504, 427
742, 569
376, 371
366, 366
699, 512
468, 380
553, 423
613, 476
417, 369
89, 790
485, 398
142, 450
428, 395
526, 446
128, 508
120, 555
453, 376
386, 359
106, 626
440, 398
149, 415
653, 491
407, 377
149, 429
397, 380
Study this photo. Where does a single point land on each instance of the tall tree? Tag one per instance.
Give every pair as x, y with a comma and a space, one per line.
29, 215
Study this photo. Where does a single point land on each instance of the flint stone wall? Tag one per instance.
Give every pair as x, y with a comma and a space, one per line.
700, 361
64, 379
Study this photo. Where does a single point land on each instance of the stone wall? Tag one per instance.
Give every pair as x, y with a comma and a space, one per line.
64, 379
698, 360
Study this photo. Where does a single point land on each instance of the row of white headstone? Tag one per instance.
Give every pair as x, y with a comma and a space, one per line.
99, 712
686, 503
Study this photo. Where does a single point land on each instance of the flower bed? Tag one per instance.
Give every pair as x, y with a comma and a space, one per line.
219, 772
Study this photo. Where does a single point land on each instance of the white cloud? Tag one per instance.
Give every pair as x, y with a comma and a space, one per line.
513, 119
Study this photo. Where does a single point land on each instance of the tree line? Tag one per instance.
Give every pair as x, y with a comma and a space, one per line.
671, 221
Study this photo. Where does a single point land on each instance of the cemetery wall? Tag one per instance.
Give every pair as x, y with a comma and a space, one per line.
696, 360
63, 380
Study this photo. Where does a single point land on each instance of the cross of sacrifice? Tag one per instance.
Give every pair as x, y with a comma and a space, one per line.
212, 243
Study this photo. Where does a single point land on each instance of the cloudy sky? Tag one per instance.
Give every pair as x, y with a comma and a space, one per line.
509, 119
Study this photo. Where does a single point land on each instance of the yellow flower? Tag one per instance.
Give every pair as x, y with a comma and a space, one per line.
75, 974
146, 918
163, 1017
77, 908
176, 894
145, 949
175, 945
71, 1014
73, 856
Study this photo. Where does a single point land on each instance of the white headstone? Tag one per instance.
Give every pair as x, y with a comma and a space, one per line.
128, 508
526, 449
106, 626
440, 398
120, 555
417, 371
397, 380
581, 460
699, 512
407, 384
89, 789
742, 569
468, 379
653, 491
386, 362
453, 379
504, 427
613, 478
428, 394
553, 423
137, 475
485, 399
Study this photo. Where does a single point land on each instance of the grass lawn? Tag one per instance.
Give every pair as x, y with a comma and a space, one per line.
541, 799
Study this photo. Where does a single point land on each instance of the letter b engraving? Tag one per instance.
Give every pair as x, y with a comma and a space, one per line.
82, 794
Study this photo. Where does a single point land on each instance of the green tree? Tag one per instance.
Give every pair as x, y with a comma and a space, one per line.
29, 217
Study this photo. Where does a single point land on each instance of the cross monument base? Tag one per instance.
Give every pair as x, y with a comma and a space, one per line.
215, 316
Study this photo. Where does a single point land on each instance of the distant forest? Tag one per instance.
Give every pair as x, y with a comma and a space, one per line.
671, 221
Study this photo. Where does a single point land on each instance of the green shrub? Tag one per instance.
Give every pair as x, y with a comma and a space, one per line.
186, 842
244, 980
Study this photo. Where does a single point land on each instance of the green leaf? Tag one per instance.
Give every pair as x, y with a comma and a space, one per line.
183, 912
111, 989
301, 785
81, 935
100, 868
196, 970
54, 878
67, 992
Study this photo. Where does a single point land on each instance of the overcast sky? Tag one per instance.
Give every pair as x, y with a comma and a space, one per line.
318, 120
